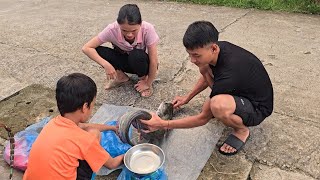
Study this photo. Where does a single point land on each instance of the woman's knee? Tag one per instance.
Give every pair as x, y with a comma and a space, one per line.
106, 53
139, 62
100, 49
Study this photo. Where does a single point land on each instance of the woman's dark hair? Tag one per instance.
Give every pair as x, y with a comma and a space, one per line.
199, 34
73, 91
129, 13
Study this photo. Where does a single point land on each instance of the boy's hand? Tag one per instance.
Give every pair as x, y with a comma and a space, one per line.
115, 129
112, 128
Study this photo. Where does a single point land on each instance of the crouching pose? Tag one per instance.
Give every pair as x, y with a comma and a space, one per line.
242, 93
134, 50
67, 147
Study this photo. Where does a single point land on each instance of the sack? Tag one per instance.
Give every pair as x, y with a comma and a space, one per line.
23, 142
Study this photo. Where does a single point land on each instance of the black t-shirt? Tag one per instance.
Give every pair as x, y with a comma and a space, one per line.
238, 72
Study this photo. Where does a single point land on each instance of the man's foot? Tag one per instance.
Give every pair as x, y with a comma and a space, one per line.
234, 143
115, 83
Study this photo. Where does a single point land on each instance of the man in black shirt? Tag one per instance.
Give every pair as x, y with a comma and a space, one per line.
242, 93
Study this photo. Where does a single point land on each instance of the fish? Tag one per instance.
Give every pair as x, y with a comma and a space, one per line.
165, 111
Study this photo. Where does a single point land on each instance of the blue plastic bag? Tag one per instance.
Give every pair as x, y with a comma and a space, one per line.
128, 175
112, 143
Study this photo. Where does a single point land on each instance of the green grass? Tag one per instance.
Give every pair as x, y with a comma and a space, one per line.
300, 6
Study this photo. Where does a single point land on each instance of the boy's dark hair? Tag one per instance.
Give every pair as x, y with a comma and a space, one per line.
129, 13
199, 34
73, 91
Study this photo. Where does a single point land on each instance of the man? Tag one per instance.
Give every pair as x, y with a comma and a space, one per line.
242, 93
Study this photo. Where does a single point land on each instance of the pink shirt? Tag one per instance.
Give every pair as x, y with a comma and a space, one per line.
147, 36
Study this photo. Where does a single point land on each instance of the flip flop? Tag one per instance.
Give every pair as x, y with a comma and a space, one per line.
234, 142
112, 84
147, 93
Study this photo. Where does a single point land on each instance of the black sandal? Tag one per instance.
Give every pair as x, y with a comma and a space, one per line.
234, 142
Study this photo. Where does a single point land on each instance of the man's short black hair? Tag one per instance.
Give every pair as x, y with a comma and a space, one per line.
199, 34
73, 91
129, 13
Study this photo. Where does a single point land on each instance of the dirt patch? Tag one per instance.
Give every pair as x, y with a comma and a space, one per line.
27, 107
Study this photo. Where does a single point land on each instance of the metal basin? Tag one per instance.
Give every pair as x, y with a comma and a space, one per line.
144, 158
130, 127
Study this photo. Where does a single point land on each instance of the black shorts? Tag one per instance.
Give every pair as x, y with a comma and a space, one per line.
135, 62
84, 172
250, 115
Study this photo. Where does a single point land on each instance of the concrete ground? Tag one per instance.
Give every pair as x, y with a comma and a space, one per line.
40, 41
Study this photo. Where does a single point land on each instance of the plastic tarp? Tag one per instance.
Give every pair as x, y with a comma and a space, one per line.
186, 150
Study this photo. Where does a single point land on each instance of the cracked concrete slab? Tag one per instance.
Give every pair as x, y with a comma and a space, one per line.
9, 85
260, 171
220, 167
41, 41
288, 143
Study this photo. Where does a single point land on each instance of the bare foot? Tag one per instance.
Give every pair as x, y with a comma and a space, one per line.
115, 83
121, 78
147, 92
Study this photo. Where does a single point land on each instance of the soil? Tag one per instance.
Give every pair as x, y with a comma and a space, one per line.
27, 107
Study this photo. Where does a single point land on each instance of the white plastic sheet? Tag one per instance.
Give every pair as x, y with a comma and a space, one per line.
186, 150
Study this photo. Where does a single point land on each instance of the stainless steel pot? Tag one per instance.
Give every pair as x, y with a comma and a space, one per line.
144, 158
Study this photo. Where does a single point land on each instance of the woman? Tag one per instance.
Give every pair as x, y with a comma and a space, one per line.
134, 50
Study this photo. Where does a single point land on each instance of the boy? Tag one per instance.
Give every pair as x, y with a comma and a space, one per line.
242, 93
67, 141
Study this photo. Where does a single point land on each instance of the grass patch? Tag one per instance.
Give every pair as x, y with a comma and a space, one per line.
300, 6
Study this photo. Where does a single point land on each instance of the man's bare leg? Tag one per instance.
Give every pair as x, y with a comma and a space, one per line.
222, 107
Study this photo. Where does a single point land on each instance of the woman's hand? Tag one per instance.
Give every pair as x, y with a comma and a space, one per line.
110, 72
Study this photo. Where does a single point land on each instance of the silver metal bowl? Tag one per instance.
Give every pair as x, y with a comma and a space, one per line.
144, 158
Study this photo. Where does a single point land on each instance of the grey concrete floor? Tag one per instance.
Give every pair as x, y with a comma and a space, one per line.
41, 40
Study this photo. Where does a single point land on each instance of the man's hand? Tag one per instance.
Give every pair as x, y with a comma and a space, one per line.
154, 123
141, 85
110, 72
179, 101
